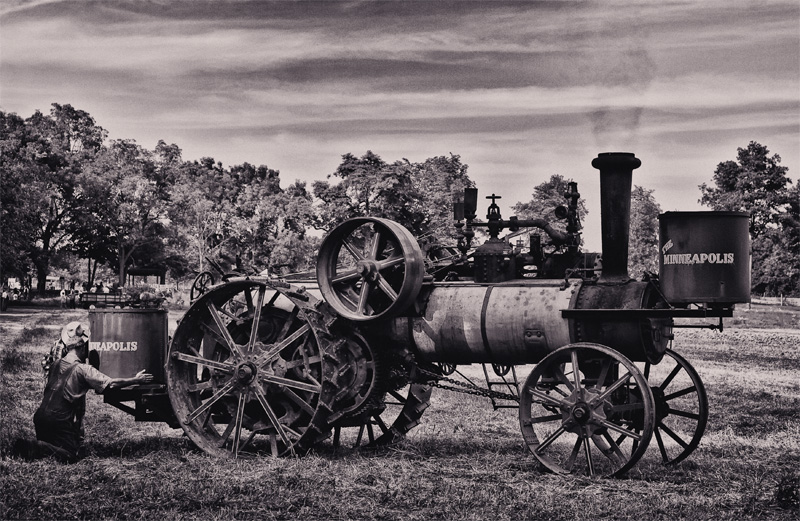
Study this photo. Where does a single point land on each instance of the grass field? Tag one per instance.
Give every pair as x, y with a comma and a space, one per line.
465, 461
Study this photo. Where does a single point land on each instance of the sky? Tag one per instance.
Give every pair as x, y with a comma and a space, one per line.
519, 90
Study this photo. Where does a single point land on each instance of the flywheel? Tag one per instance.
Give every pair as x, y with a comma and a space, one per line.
370, 268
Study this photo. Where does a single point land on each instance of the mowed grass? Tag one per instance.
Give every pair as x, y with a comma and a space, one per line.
465, 461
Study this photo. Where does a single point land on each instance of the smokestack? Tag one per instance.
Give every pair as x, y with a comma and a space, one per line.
616, 174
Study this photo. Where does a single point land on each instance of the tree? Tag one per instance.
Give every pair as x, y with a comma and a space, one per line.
439, 180
756, 183
545, 199
643, 247
120, 194
15, 209
45, 157
416, 195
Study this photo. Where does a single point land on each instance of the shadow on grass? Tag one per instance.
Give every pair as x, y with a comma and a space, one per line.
133, 449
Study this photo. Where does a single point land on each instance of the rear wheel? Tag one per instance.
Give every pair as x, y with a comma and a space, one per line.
681, 406
249, 371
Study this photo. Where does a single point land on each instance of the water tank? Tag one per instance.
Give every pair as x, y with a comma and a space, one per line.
704, 257
129, 340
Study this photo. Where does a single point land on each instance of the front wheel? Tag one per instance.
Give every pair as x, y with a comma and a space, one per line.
587, 409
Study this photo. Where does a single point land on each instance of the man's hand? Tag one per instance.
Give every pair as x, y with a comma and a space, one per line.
143, 377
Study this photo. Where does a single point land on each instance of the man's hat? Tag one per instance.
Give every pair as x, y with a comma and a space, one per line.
74, 333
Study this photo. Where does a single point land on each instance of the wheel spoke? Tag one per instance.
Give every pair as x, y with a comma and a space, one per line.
685, 414
347, 276
277, 348
621, 430
611, 388
237, 432
545, 419
226, 336
401, 400
390, 292
305, 362
375, 246
661, 446
256, 318
352, 249
390, 263
545, 398
262, 399
559, 373
550, 439
574, 454
302, 386
603, 373
576, 377
668, 379
379, 421
192, 416
287, 324
220, 366
588, 449
296, 399
682, 392
612, 451
362, 298
674, 436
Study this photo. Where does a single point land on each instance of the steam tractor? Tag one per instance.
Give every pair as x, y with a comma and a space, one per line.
265, 366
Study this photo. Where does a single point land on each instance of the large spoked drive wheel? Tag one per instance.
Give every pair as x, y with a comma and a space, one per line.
369, 268
681, 406
248, 371
587, 409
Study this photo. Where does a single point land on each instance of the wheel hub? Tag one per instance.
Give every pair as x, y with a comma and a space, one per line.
581, 413
245, 373
368, 269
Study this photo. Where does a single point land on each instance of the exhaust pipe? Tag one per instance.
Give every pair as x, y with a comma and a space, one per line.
616, 175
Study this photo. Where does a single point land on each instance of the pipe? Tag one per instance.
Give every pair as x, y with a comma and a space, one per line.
616, 174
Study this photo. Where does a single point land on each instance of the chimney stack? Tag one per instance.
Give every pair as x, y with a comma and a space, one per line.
616, 174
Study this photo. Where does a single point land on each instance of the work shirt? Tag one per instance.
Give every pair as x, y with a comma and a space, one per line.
83, 377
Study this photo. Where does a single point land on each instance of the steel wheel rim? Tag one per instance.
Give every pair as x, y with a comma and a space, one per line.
246, 379
596, 427
681, 407
369, 268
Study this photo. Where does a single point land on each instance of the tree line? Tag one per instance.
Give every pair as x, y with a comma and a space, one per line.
70, 195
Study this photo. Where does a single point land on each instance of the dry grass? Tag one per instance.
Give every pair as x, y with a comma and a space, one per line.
463, 462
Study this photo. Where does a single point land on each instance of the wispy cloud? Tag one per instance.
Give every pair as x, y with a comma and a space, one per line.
520, 89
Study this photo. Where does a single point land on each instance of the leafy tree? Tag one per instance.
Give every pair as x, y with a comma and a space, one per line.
545, 199
754, 183
45, 158
776, 252
643, 248
758, 184
15, 210
416, 195
122, 196
439, 180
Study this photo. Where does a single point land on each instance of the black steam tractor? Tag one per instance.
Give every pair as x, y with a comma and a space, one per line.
265, 366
